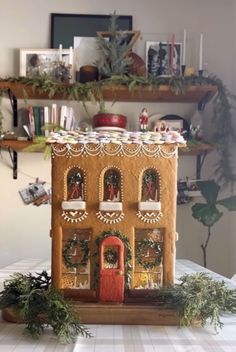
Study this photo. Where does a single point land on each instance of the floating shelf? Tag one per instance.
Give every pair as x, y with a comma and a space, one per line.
193, 94
15, 144
200, 94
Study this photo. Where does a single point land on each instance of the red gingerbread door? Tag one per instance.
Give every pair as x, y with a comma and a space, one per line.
111, 286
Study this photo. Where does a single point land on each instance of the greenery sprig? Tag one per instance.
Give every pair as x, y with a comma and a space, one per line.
40, 305
199, 298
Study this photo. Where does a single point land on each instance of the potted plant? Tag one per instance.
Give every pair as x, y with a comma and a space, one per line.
105, 118
114, 46
208, 213
33, 300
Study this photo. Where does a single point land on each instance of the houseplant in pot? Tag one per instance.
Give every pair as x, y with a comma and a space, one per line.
107, 119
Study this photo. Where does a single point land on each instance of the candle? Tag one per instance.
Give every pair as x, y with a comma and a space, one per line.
70, 56
184, 49
201, 51
60, 52
172, 48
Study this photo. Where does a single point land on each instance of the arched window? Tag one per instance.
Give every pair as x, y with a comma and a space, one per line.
150, 186
112, 185
75, 184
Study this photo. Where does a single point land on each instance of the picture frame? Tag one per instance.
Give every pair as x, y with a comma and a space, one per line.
168, 125
40, 61
64, 27
189, 188
163, 58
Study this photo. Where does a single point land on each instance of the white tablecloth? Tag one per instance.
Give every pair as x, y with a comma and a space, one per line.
118, 338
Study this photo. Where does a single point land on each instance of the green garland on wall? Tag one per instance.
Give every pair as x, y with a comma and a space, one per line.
222, 125
128, 256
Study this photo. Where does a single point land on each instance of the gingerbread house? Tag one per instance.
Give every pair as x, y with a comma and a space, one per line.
113, 218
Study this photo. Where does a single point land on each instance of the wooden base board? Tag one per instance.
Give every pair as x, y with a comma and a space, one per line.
125, 314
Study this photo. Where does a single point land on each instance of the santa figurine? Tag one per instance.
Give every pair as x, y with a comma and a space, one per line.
143, 120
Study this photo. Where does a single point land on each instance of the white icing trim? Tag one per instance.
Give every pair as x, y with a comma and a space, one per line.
109, 217
110, 206
149, 205
100, 149
150, 218
73, 205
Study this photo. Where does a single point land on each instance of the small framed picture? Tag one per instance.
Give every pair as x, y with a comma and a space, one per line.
163, 58
43, 61
168, 125
32, 193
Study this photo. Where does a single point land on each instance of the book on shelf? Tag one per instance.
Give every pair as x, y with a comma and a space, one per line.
63, 116
69, 118
46, 120
31, 125
37, 120
41, 117
54, 114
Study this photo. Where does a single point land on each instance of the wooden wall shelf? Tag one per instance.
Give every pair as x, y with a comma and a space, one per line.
199, 94
15, 144
163, 94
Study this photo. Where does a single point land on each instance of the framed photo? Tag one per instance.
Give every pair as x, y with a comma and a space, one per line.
187, 189
168, 125
39, 61
163, 58
64, 27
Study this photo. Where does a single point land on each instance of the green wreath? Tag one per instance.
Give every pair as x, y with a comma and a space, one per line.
111, 256
67, 256
141, 250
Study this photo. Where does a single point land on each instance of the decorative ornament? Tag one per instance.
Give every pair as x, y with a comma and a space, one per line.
74, 216
150, 218
110, 217
70, 244
143, 251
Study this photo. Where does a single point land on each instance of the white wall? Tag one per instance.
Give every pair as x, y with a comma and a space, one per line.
24, 24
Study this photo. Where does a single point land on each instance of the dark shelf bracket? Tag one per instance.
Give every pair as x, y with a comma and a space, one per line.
202, 103
13, 101
14, 160
199, 162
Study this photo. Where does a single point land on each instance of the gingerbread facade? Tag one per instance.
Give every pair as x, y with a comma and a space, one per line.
113, 218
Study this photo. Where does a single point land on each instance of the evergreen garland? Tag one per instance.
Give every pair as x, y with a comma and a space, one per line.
222, 118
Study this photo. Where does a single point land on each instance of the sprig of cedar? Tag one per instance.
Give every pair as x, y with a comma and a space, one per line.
199, 298
40, 305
